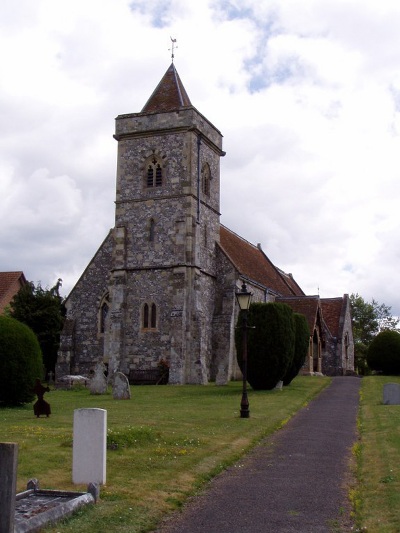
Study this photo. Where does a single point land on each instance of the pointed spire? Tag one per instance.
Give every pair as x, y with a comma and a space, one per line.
169, 95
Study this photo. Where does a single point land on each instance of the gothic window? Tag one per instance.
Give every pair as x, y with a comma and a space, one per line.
206, 179
103, 313
154, 173
149, 316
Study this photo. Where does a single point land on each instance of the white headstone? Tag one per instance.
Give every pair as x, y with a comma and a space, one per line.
391, 394
121, 388
90, 446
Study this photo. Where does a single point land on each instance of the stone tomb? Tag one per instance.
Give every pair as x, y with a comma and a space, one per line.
36, 508
391, 394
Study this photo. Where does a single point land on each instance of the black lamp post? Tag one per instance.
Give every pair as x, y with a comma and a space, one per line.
244, 298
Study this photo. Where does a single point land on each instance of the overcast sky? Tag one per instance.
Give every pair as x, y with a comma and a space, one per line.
305, 92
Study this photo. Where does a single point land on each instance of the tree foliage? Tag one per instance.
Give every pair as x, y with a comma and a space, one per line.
368, 319
301, 344
384, 352
43, 311
270, 343
20, 362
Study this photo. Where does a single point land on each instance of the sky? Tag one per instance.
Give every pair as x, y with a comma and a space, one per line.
305, 92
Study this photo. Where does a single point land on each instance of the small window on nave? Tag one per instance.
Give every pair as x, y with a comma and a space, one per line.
103, 313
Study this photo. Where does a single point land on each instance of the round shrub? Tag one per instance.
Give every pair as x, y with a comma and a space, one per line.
270, 343
384, 352
301, 343
20, 362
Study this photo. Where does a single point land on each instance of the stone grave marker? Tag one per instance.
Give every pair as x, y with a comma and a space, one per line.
391, 394
121, 389
8, 480
89, 446
98, 384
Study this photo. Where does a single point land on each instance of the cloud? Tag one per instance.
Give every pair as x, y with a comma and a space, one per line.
306, 94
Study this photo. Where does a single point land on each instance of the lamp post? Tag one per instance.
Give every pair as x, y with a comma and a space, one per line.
244, 298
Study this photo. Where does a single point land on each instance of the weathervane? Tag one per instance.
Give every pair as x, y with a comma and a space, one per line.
173, 41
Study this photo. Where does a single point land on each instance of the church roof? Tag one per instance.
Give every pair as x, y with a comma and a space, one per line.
332, 312
309, 306
252, 263
169, 95
10, 283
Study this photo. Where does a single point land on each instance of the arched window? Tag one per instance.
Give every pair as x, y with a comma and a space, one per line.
103, 313
205, 179
149, 316
154, 172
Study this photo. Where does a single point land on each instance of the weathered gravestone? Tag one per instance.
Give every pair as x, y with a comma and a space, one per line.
8, 480
98, 384
121, 389
391, 394
89, 446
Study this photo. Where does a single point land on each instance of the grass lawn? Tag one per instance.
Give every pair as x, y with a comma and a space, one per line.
167, 440
377, 498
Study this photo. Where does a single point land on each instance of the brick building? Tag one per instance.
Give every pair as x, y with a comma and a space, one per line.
162, 284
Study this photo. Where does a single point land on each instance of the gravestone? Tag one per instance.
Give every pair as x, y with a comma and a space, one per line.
89, 446
279, 385
391, 394
98, 384
8, 480
121, 389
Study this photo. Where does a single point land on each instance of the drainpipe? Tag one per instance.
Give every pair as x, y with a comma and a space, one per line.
198, 177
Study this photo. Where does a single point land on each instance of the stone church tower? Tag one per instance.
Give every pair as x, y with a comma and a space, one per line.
166, 227
162, 285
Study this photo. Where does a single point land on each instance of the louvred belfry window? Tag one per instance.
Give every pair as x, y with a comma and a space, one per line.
154, 176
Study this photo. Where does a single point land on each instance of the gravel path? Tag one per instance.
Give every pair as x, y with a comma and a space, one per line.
294, 481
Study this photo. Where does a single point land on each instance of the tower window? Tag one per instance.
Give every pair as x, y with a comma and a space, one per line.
206, 179
152, 226
149, 316
154, 173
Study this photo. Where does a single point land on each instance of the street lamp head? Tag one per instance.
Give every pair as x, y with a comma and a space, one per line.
244, 297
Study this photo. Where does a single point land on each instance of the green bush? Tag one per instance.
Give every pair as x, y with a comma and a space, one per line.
20, 362
270, 343
301, 344
384, 352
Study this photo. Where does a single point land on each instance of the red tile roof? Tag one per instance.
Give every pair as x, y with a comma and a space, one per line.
10, 283
309, 306
169, 95
251, 262
332, 311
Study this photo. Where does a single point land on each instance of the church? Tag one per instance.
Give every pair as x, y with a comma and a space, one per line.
161, 287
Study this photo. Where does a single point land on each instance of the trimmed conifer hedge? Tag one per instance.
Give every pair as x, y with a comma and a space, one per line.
384, 353
270, 343
20, 362
302, 340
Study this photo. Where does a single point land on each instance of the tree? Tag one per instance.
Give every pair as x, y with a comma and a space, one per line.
270, 343
368, 319
20, 362
301, 344
43, 311
384, 352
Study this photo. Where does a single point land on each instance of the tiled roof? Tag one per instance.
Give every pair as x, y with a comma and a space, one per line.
332, 311
169, 95
10, 282
252, 263
305, 305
